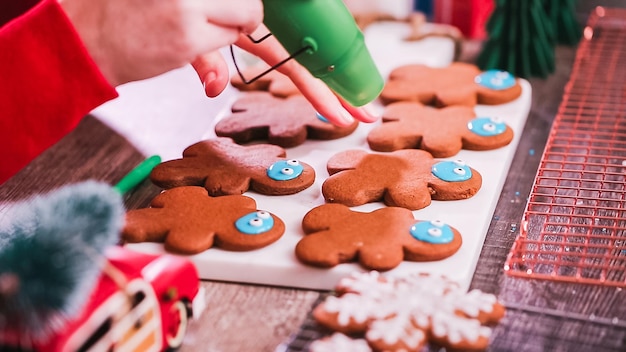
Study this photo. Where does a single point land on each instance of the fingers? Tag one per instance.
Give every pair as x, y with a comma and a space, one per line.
211, 37
213, 72
363, 113
246, 15
322, 99
224, 21
327, 103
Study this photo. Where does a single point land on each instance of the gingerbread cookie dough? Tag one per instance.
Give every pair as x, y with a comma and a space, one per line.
408, 178
407, 313
379, 240
224, 167
442, 132
457, 84
286, 122
189, 221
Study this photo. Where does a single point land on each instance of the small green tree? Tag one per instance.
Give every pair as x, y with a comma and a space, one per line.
520, 39
51, 253
562, 16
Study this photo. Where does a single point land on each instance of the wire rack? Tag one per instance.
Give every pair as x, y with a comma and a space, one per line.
574, 225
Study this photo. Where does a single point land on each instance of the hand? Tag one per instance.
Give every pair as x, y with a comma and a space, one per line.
213, 72
132, 40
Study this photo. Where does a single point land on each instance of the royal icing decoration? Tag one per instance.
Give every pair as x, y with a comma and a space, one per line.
255, 223
487, 126
434, 231
452, 171
339, 342
495, 79
411, 309
285, 170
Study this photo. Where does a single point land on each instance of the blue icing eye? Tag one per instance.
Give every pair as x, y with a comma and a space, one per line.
495, 79
255, 223
285, 170
434, 231
487, 126
452, 171
321, 117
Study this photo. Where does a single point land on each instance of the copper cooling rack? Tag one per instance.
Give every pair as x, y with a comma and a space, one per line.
574, 226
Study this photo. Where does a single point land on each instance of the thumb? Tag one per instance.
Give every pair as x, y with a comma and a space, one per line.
213, 72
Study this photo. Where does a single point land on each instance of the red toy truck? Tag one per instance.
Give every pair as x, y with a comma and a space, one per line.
141, 302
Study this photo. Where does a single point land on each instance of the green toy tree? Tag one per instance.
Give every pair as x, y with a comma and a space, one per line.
520, 40
51, 255
562, 16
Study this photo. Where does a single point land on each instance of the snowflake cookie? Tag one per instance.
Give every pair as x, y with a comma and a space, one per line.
406, 313
339, 342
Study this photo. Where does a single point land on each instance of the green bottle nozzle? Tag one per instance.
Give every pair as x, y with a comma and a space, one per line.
137, 175
336, 51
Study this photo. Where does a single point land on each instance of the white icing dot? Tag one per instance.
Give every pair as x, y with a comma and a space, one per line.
256, 222
496, 81
489, 127
263, 214
435, 232
502, 74
286, 171
459, 162
293, 162
437, 223
459, 171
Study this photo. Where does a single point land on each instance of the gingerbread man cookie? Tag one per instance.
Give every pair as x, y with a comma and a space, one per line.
286, 122
408, 178
224, 167
457, 84
442, 132
274, 82
379, 240
188, 221
407, 313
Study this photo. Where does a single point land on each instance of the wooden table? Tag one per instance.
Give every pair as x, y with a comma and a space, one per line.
541, 316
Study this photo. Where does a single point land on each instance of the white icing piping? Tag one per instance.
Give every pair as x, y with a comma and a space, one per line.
399, 307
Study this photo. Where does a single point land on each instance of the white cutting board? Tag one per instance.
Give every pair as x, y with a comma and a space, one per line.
138, 118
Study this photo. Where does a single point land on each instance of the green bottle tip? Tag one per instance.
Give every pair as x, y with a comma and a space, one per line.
137, 175
358, 80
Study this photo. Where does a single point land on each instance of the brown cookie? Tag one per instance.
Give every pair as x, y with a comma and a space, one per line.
407, 313
286, 122
274, 82
379, 240
442, 132
457, 84
224, 167
408, 178
188, 221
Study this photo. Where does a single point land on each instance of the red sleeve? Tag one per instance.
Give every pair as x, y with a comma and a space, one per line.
48, 82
